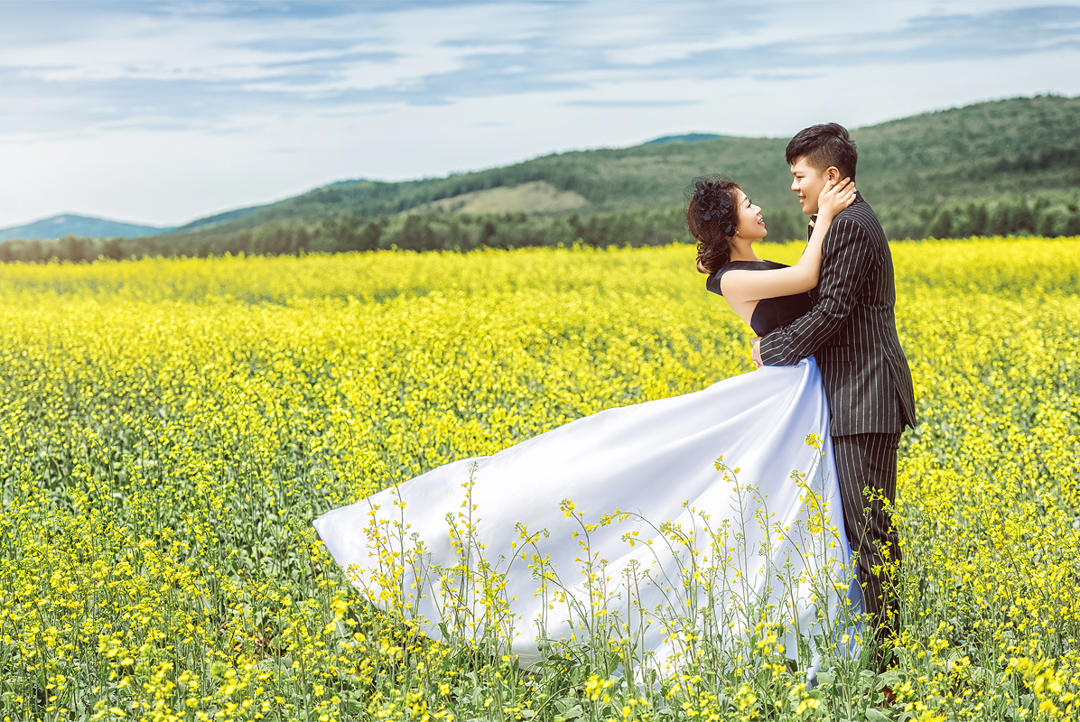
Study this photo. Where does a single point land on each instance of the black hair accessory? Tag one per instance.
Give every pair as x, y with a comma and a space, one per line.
714, 204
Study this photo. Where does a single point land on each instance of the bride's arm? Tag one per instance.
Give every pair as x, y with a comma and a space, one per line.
742, 285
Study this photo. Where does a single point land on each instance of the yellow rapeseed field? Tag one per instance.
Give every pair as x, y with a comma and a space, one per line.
170, 428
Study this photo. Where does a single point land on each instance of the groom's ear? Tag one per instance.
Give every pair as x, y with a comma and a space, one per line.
832, 173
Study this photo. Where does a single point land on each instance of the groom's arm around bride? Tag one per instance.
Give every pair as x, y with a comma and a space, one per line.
851, 329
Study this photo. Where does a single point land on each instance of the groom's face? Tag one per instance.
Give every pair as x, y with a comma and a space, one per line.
807, 182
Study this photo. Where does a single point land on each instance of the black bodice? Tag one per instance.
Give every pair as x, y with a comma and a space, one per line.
770, 313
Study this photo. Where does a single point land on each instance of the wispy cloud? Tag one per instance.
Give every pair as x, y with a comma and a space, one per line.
88, 66
630, 103
488, 78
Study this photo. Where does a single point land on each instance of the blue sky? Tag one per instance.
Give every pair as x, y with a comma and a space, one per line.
163, 112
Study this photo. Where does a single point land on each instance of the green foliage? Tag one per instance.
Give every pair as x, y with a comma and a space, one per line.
1048, 216
997, 168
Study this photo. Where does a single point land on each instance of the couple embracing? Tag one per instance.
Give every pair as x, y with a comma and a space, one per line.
834, 307
541, 513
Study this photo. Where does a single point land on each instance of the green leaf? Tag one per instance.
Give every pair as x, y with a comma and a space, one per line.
889, 677
572, 713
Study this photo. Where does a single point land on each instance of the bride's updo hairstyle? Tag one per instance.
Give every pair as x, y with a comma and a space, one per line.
712, 217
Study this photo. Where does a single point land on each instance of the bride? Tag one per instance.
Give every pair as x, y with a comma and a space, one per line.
653, 529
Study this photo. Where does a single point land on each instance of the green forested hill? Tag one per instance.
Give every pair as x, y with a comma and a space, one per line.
994, 167
978, 151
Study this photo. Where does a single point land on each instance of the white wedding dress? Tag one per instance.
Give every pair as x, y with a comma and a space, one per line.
770, 540
656, 546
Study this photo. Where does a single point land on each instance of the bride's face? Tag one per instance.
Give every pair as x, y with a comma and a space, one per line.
751, 226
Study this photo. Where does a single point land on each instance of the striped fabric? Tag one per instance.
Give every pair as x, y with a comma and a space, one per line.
869, 461
851, 330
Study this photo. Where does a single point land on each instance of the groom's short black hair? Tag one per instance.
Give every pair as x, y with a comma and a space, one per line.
824, 145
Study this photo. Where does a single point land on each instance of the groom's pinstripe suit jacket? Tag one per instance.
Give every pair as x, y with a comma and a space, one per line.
851, 330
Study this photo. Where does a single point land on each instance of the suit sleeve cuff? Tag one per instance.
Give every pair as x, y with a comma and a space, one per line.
771, 350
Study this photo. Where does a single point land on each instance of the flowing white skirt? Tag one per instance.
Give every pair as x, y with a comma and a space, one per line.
624, 524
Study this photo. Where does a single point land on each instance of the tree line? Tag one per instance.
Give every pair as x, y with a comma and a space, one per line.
1042, 216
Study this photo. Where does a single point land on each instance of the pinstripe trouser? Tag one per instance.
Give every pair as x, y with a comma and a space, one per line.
869, 461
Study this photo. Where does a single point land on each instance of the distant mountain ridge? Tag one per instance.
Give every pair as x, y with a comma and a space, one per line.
910, 169
684, 138
70, 224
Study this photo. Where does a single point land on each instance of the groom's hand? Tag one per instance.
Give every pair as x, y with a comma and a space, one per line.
755, 351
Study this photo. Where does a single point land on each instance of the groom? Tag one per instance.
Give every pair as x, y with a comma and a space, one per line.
851, 331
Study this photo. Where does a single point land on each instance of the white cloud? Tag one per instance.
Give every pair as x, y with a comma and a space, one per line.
162, 118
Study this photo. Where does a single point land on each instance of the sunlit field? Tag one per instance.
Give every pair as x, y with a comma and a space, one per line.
169, 430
